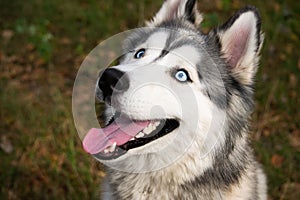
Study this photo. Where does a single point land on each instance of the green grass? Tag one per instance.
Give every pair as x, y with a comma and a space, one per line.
47, 160
43, 44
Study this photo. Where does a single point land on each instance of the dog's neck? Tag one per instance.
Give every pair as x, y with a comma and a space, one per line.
176, 179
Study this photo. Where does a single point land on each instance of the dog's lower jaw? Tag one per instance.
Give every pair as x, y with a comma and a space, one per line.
179, 181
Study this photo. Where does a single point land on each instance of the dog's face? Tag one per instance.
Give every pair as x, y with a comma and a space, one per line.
174, 88
157, 82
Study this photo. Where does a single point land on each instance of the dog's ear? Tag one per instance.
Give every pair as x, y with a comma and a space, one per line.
241, 40
177, 9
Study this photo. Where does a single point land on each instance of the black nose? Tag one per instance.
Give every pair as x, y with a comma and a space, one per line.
113, 80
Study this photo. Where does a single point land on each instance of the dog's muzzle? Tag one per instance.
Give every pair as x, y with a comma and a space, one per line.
112, 81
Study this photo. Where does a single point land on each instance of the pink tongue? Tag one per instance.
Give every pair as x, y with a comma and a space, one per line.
120, 131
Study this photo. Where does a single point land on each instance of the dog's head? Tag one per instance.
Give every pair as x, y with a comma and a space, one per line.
177, 91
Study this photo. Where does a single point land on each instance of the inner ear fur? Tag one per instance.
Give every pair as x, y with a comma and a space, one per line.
241, 40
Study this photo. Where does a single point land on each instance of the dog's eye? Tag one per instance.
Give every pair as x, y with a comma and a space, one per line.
182, 75
139, 54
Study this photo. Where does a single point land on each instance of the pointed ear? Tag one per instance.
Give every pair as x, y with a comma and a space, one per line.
177, 9
241, 40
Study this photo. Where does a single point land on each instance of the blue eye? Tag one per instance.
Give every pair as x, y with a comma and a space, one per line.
182, 75
139, 54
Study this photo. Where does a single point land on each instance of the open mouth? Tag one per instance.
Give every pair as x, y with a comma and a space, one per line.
123, 134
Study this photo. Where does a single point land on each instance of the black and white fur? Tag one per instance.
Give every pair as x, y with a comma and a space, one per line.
228, 56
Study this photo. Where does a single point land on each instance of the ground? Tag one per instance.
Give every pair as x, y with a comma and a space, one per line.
41, 48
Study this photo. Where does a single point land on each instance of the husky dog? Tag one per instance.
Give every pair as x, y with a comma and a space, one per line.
177, 110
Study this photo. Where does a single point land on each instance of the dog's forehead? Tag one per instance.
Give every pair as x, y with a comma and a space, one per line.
167, 45
182, 56
157, 40
161, 37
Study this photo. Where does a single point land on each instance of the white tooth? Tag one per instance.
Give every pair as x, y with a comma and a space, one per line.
106, 150
112, 147
152, 127
132, 139
147, 130
140, 135
156, 123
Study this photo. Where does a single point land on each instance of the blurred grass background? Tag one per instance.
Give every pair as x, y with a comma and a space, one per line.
42, 44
